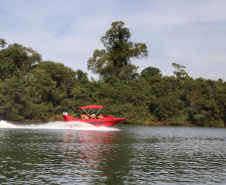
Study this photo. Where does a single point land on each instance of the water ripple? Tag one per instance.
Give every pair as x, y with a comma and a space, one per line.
127, 155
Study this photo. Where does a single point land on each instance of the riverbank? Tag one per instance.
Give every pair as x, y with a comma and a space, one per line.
167, 123
152, 122
172, 124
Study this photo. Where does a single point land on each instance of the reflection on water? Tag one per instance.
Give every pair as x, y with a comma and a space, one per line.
127, 155
89, 154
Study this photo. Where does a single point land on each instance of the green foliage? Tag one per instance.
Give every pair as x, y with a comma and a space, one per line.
81, 77
150, 72
31, 89
180, 72
2, 43
14, 98
35, 89
115, 60
17, 60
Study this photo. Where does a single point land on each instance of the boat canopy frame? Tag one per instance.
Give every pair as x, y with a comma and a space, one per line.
91, 109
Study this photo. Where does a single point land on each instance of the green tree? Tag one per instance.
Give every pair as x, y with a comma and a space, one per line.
150, 72
116, 59
81, 77
152, 75
17, 60
2, 43
14, 99
52, 81
180, 72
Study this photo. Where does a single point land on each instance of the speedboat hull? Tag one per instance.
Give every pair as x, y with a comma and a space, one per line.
106, 121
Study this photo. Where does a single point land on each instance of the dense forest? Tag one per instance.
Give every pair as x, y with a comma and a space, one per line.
33, 89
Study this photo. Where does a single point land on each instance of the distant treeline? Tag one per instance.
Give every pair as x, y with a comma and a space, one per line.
41, 90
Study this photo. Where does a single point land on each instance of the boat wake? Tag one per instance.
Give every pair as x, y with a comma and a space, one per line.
72, 125
4, 124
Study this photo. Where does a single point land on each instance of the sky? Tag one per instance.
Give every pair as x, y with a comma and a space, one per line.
191, 33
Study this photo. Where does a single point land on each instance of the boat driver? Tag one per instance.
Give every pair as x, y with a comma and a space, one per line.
93, 116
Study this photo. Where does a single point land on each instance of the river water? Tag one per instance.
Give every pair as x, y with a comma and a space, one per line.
51, 153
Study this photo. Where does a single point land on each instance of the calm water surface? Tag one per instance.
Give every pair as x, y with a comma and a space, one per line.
129, 154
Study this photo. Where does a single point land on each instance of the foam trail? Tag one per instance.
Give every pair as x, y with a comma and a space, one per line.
4, 124
72, 125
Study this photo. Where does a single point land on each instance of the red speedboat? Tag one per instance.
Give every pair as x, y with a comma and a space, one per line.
88, 115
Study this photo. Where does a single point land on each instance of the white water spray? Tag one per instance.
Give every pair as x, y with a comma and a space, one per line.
4, 124
72, 125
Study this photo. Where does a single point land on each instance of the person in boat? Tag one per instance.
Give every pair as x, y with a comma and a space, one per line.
100, 116
93, 116
84, 116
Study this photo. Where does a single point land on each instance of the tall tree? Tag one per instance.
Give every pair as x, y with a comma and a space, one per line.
180, 72
2, 43
116, 59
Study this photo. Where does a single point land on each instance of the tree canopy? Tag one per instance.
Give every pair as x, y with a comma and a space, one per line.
3, 43
17, 60
41, 90
116, 59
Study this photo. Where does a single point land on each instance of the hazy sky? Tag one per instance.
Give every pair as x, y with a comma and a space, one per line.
191, 33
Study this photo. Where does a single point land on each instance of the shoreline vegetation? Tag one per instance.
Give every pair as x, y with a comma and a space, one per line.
153, 122
37, 90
